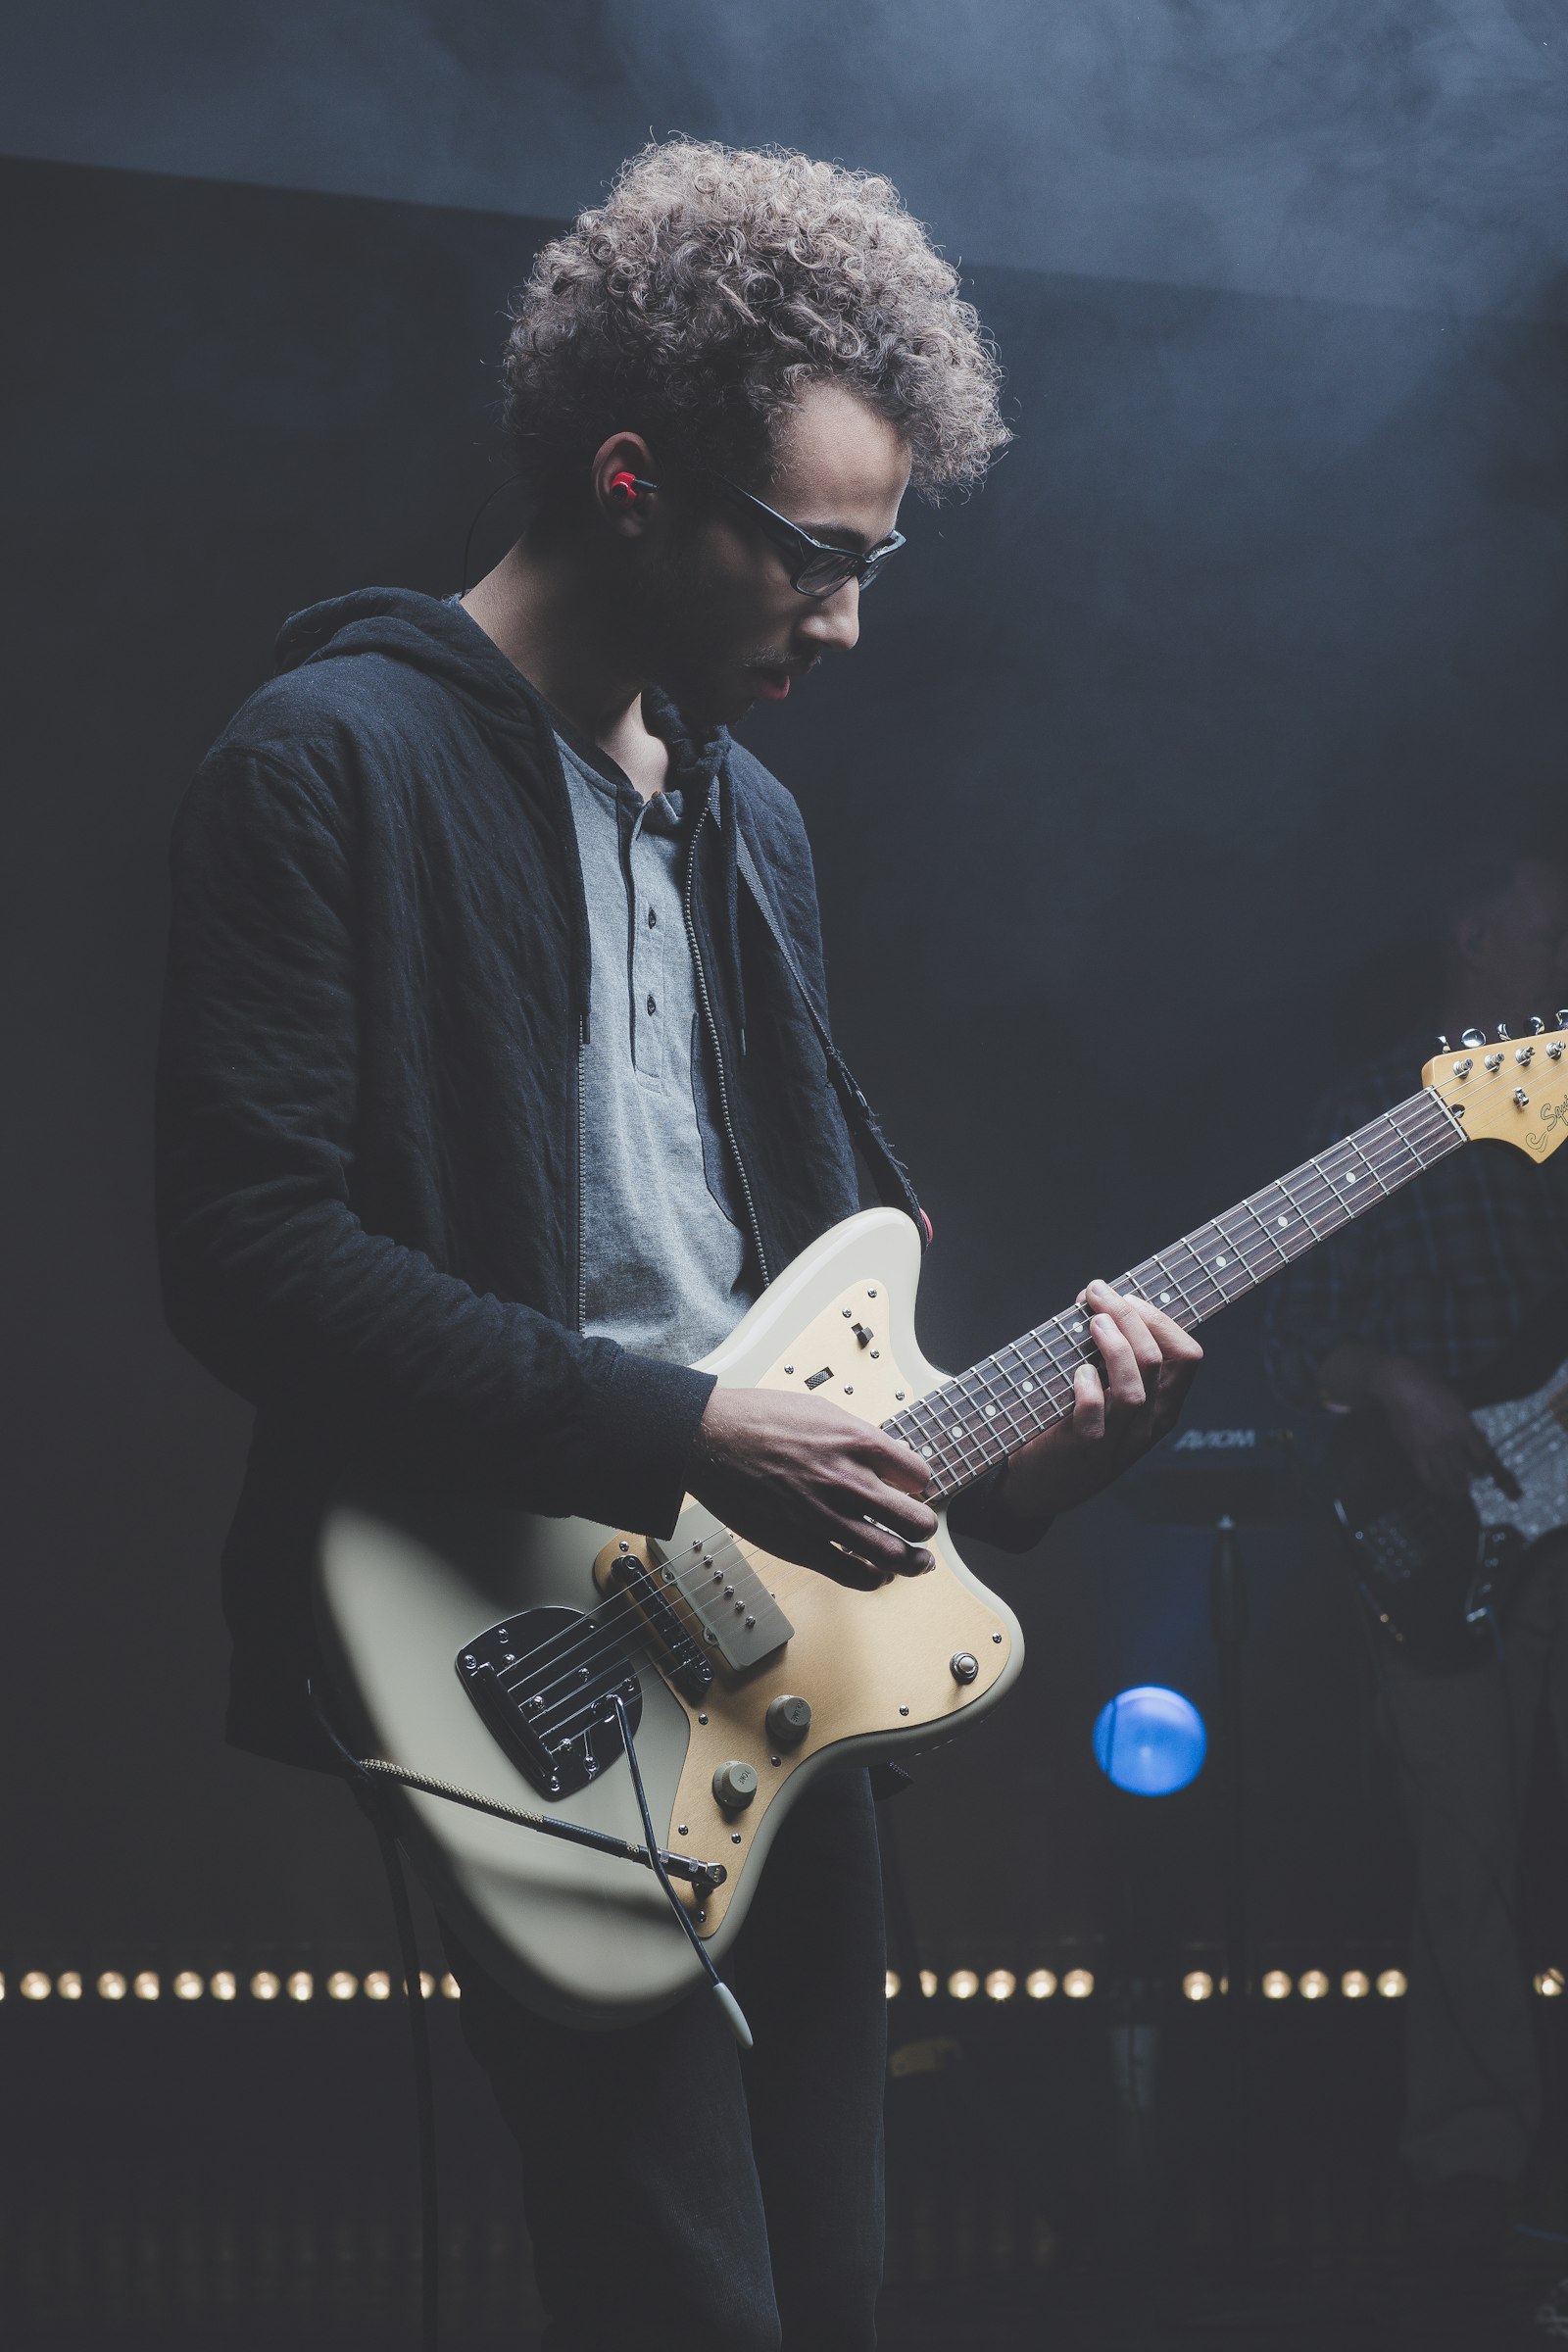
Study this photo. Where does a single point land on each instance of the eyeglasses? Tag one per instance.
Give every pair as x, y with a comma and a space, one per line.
816, 569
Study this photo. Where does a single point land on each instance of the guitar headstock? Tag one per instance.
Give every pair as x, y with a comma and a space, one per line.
1509, 1090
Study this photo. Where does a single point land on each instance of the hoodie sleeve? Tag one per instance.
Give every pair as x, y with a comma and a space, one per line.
269, 1277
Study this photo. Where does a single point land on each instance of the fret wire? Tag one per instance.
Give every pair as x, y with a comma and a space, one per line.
992, 1407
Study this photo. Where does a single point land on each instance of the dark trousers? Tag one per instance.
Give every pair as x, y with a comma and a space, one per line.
681, 2191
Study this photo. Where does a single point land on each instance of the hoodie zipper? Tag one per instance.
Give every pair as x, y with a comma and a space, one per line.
712, 1028
582, 1180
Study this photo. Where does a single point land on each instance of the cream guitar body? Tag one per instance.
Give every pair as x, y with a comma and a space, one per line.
404, 1589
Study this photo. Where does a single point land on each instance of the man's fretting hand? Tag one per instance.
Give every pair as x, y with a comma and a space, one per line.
1149, 1363
798, 1477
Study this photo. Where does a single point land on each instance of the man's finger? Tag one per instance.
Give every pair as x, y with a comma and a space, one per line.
1089, 1404
1123, 1371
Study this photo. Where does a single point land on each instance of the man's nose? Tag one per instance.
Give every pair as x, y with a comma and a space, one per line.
835, 619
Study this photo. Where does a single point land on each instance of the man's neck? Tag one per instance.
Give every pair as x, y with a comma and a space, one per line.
557, 626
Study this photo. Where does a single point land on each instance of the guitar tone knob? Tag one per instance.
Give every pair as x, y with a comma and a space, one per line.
789, 1719
734, 1785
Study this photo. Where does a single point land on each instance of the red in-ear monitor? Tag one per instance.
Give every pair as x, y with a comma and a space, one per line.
628, 486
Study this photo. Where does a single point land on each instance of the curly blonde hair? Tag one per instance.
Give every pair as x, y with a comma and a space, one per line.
713, 286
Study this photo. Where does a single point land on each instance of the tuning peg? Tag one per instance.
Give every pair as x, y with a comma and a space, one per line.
1536, 1024
1442, 1044
1562, 1016
1473, 1039
1503, 1028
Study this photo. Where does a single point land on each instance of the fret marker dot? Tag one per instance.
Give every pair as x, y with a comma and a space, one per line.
1221, 1260
1077, 1328
1028, 1388
1284, 1220
926, 1451
1164, 1298
990, 1412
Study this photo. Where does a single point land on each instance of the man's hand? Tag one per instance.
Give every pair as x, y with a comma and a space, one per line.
1425, 1418
799, 1478
1149, 1363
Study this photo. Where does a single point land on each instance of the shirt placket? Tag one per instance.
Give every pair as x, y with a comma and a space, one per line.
648, 1015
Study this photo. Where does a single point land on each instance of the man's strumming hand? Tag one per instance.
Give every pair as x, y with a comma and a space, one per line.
799, 1478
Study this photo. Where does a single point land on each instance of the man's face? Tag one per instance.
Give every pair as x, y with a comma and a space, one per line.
716, 621
1514, 952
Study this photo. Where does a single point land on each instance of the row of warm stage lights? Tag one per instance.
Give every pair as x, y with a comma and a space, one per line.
1313, 1985
188, 1984
1075, 1984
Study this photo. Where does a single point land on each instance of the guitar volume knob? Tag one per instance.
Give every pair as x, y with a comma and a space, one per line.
734, 1785
789, 1719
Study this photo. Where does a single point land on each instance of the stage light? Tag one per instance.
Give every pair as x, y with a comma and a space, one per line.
963, 1985
929, 1984
1001, 1985
1039, 1983
301, 1984
1391, 1985
188, 1986
222, 1985
1150, 1741
1313, 1985
892, 1984
450, 1989
378, 1985
145, 1985
341, 1986
1355, 1984
1549, 1982
1078, 1984
68, 1984
35, 1985
264, 1986
1276, 1985
1199, 1985
110, 1985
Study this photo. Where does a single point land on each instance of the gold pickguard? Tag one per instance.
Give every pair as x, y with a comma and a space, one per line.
867, 1663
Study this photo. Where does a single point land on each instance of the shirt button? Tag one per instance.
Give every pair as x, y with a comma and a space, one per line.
653, 919
652, 1007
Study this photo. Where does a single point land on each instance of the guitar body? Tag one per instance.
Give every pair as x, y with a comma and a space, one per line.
1436, 1579
407, 1583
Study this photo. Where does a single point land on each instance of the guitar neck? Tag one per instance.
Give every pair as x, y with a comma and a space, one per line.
974, 1421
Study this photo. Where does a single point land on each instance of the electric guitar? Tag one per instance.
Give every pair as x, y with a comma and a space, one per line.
1438, 1578
502, 1659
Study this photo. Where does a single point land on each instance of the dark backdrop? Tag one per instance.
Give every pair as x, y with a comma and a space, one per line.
1124, 811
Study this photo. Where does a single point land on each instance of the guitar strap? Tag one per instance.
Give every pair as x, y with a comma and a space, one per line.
889, 1174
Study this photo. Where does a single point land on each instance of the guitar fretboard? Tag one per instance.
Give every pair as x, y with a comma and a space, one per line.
974, 1421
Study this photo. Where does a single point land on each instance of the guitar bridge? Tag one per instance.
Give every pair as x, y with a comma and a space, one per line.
546, 1683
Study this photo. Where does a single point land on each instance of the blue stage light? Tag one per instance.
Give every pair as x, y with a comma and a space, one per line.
1150, 1741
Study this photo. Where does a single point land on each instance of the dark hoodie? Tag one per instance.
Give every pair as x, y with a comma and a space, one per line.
367, 1122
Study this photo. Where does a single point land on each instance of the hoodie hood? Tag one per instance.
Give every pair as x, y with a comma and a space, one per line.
435, 635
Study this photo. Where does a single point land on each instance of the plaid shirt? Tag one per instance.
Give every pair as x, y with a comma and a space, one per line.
1445, 1271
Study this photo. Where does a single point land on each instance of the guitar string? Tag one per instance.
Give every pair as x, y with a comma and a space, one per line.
602, 1625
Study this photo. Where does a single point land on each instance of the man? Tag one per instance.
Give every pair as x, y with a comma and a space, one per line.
1390, 1317
488, 1104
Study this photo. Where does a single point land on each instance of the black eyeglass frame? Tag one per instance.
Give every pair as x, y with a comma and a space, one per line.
802, 549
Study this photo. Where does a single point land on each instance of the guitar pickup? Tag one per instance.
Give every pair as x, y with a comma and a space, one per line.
682, 1661
705, 1568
